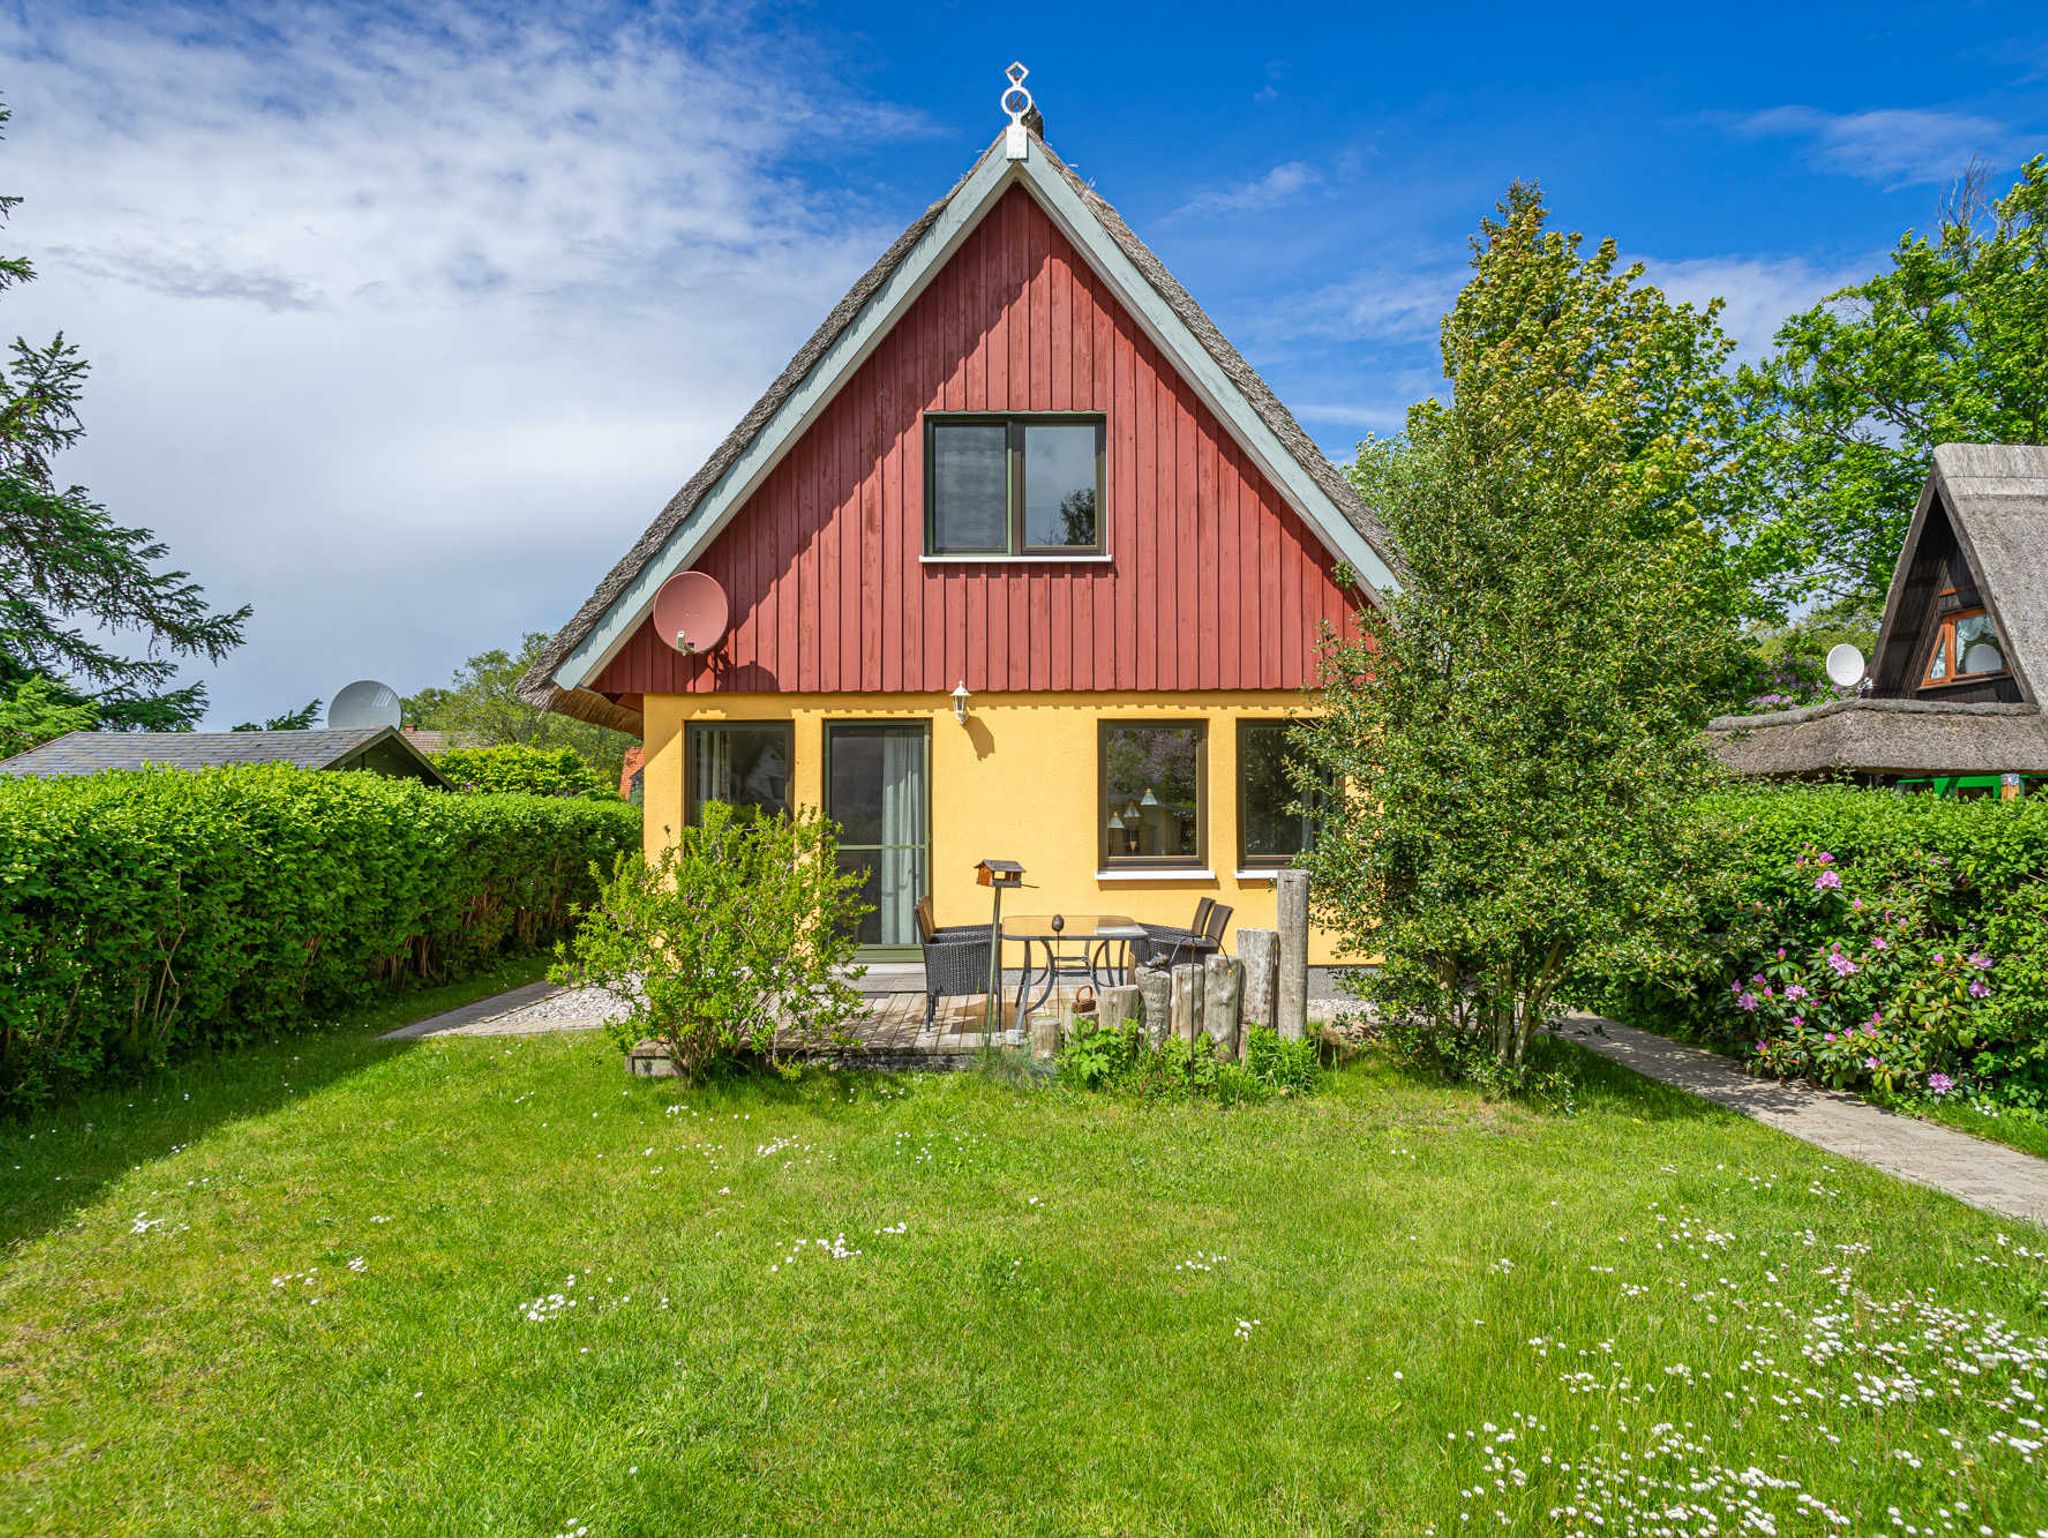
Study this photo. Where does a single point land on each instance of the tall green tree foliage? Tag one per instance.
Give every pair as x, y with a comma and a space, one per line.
1519, 727
1945, 347
482, 703
72, 580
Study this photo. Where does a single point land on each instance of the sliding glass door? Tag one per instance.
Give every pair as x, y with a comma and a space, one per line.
877, 790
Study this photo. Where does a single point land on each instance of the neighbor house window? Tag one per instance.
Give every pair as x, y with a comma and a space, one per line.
1150, 809
1966, 646
1269, 832
1025, 485
742, 763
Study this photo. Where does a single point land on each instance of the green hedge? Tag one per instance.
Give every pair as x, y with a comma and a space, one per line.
1870, 940
515, 769
143, 916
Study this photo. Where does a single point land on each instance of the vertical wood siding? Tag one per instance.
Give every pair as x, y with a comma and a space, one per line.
1213, 583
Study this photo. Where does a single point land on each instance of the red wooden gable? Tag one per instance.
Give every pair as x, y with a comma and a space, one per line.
1213, 582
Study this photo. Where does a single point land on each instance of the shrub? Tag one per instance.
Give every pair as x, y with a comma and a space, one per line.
745, 926
1122, 1060
515, 769
1872, 941
144, 916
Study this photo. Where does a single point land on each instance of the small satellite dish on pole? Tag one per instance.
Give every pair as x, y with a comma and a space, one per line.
691, 612
1845, 666
365, 702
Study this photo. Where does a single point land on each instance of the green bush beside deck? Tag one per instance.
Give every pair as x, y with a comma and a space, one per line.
144, 916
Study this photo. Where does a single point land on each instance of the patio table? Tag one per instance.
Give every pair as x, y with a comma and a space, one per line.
1091, 945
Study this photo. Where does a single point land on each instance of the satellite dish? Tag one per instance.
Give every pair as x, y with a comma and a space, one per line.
1845, 666
364, 703
691, 612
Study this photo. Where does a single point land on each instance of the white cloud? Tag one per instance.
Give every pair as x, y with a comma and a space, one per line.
1895, 146
402, 330
1759, 291
1283, 184
1383, 303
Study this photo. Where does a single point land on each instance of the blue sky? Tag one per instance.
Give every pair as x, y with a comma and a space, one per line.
406, 320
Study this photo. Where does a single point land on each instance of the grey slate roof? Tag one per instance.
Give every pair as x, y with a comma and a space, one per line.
1996, 500
91, 752
538, 687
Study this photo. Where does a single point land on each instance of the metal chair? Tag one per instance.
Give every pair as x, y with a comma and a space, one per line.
1166, 947
956, 960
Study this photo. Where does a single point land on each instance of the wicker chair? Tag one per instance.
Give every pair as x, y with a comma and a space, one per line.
956, 960
1166, 947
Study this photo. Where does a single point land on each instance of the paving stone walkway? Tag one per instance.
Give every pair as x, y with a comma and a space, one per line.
1984, 1174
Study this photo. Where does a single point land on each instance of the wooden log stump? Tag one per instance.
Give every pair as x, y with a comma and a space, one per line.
1290, 1015
1045, 1035
1259, 949
1222, 1000
1155, 992
1187, 1002
1120, 1006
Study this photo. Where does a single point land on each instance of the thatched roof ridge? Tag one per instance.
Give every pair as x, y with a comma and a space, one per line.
1882, 736
539, 688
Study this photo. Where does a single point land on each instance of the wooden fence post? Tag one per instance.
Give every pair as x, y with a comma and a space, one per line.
1155, 990
1120, 1006
1187, 1002
1260, 951
1291, 994
1222, 997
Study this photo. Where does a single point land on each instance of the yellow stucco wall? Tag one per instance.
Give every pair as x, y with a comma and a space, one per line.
1018, 781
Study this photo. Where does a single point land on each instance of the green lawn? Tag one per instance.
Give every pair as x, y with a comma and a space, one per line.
492, 1286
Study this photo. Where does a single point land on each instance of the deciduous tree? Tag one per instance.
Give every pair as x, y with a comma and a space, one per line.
1518, 728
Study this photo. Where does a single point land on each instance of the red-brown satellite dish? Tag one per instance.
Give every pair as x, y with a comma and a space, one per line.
690, 612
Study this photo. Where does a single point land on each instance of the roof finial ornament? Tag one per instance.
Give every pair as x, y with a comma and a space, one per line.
1016, 101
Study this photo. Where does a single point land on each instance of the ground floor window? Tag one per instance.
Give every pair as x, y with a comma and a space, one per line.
1270, 834
1152, 789
742, 763
876, 789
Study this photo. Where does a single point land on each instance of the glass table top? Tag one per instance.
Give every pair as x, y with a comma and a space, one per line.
1077, 926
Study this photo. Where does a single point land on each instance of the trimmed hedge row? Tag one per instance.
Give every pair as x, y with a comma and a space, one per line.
515, 769
1870, 940
144, 916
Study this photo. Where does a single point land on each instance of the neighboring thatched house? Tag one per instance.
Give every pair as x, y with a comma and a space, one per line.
379, 749
1950, 703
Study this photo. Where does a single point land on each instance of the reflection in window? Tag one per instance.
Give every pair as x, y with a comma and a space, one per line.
970, 488
742, 763
1151, 802
1269, 832
1059, 485
1965, 646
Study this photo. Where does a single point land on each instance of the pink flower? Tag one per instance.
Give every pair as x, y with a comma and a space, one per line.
1979, 959
1856, 903
1826, 858
1745, 1002
1939, 958
1843, 966
1977, 988
1878, 942
1870, 1063
1827, 881
1830, 1036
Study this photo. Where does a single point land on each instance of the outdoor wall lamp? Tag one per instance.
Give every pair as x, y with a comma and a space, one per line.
960, 699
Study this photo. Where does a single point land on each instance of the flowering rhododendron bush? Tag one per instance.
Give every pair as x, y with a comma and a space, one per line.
1888, 943
145, 916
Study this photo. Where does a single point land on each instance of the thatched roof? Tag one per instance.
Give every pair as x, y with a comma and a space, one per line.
540, 687
322, 748
1886, 737
1995, 499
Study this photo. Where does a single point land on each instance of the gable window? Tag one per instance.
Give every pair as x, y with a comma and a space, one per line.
1152, 793
742, 763
1965, 647
1013, 485
1269, 832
